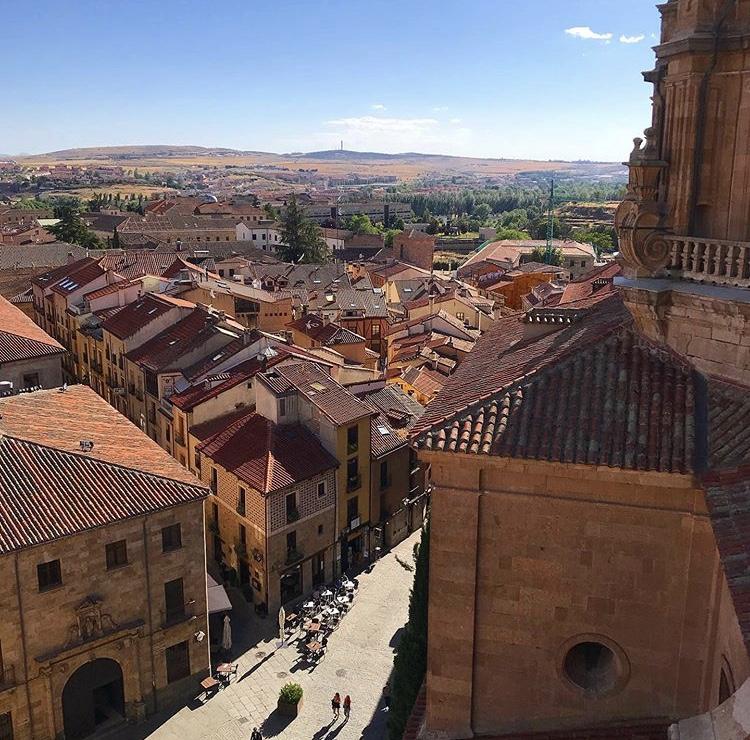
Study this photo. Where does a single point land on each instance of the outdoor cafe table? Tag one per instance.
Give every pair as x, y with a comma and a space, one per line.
314, 646
314, 627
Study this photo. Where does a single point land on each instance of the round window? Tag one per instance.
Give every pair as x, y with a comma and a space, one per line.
592, 667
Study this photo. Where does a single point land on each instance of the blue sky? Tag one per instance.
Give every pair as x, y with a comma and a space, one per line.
541, 79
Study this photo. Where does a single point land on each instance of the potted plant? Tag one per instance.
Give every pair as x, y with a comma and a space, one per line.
290, 699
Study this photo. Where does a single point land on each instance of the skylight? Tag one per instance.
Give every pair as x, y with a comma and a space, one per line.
383, 430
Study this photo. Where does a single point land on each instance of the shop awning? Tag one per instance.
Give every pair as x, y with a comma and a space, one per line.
218, 601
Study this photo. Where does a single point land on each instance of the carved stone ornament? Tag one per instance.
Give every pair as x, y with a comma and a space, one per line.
640, 217
90, 622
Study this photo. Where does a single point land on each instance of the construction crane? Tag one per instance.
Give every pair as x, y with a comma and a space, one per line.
549, 253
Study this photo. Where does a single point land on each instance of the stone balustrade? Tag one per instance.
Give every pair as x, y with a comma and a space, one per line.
710, 260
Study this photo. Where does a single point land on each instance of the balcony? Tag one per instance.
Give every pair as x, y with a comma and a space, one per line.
353, 482
712, 261
292, 515
7, 677
177, 615
293, 556
179, 439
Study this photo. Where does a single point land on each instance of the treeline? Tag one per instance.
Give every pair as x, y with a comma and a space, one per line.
533, 199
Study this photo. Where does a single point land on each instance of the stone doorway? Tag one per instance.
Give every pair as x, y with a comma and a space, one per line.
93, 698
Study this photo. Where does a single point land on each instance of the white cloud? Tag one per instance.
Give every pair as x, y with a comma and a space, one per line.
631, 39
455, 121
585, 32
377, 106
440, 109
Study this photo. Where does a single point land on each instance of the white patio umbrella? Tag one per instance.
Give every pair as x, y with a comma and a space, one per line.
226, 637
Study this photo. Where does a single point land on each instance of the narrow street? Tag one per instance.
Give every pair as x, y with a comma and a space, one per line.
358, 662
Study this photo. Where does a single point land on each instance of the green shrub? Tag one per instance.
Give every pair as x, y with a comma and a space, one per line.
290, 693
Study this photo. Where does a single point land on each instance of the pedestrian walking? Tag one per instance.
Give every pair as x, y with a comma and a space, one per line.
336, 705
347, 706
256, 734
387, 695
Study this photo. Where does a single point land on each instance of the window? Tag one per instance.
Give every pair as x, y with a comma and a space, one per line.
167, 433
241, 501
30, 380
243, 539
291, 508
291, 542
352, 509
320, 529
197, 460
321, 489
352, 439
49, 575
178, 661
171, 538
214, 480
352, 474
384, 476
592, 667
282, 407
6, 726
375, 330
174, 601
117, 554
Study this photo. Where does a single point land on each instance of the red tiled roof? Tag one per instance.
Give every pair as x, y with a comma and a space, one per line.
202, 391
136, 263
502, 356
728, 500
328, 334
78, 278
47, 493
595, 393
265, 455
46, 279
425, 380
138, 314
594, 281
335, 401
62, 419
168, 346
21, 338
107, 289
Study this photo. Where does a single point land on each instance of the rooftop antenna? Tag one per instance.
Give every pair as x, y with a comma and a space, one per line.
549, 253
342, 145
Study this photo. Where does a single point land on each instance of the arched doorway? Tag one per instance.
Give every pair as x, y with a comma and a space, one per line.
93, 698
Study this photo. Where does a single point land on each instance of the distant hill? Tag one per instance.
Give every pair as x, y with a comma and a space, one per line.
339, 162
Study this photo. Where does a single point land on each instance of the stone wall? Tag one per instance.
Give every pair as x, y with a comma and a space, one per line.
39, 632
547, 556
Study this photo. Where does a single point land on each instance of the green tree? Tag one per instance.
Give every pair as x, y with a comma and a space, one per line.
389, 236
602, 241
514, 234
270, 211
482, 211
360, 223
302, 240
410, 663
539, 254
72, 229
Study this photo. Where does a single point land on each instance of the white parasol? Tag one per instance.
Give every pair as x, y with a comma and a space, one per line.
226, 637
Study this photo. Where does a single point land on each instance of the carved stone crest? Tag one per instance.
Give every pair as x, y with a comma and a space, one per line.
90, 622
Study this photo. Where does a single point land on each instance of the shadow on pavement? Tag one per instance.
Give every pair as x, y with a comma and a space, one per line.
275, 724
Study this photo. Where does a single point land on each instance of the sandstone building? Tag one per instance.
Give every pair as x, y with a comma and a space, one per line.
102, 569
597, 454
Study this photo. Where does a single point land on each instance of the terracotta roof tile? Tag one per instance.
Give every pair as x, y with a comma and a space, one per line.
140, 313
327, 333
62, 419
47, 493
265, 455
21, 338
728, 500
335, 401
590, 283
